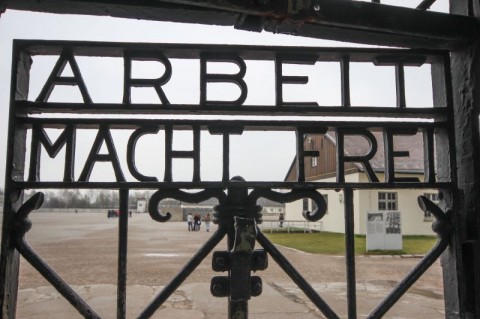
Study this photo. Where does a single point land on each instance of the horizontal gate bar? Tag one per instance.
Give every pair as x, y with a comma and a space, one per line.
253, 125
353, 21
193, 51
437, 113
222, 185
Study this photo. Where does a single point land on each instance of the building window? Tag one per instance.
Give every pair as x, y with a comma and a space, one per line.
387, 201
314, 161
434, 198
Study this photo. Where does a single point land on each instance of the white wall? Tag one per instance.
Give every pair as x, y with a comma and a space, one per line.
412, 217
293, 210
142, 205
334, 219
77, 210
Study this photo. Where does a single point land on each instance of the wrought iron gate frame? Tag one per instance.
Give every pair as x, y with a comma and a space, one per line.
237, 211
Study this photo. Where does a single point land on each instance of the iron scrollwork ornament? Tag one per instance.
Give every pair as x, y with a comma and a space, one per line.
315, 196
158, 196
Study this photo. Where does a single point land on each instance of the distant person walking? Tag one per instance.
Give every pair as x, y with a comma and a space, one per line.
207, 222
281, 218
190, 222
196, 220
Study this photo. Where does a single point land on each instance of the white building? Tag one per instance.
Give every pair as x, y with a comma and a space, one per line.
141, 205
323, 168
271, 210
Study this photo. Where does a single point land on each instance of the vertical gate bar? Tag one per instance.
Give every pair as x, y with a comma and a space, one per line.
350, 252
400, 84
429, 157
241, 261
233, 307
226, 157
345, 74
237, 307
196, 154
15, 165
168, 153
122, 255
299, 135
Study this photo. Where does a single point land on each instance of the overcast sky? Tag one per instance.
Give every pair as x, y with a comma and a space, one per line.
246, 150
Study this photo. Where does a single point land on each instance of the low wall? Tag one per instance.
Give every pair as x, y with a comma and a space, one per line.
77, 210
176, 216
291, 225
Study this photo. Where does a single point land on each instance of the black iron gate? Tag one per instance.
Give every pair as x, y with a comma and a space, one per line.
237, 213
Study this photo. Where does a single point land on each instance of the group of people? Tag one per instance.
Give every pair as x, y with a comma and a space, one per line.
111, 213
194, 222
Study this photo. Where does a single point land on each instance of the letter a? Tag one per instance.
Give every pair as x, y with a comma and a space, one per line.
56, 78
95, 156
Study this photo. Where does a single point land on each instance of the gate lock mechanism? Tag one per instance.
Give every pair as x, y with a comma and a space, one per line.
239, 265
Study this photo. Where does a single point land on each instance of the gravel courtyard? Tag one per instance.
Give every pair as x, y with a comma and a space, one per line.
82, 248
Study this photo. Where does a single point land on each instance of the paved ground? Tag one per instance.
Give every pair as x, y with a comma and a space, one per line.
82, 249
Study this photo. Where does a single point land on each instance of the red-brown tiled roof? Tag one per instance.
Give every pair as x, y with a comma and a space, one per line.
358, 145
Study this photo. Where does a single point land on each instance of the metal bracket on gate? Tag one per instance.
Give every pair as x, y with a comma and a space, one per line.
222, 261
240, 261
240, 215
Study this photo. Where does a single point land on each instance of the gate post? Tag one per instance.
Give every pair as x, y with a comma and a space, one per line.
461, 262
17, 137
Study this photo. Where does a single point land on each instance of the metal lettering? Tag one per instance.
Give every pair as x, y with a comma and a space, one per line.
236, 78
170, 154
429, 156
226, 132
364, 159
281, 79
94, 156
302, 153
68, 137
56, 78
157, 83
132, 143
399, 63
390, 155
39, 137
